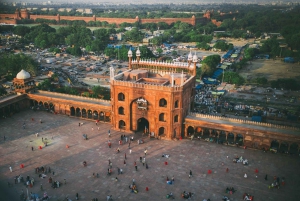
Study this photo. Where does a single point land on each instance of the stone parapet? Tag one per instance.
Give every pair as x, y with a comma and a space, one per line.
242, 121
146, 86
73, 96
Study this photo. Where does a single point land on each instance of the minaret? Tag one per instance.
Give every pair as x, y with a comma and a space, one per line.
112, 73
130, 58
181, 78
195, 60
190, 58
172, 80
138, 55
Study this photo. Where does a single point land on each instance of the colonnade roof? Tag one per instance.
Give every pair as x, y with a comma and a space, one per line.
6, 98
243, 125
72, 98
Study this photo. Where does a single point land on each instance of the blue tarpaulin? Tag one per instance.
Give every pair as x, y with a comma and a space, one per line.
199, 86
289, 60
256, 118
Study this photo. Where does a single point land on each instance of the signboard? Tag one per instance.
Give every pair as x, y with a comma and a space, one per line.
142, 104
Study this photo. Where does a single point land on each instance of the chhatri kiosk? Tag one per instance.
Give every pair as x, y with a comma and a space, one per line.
153, 96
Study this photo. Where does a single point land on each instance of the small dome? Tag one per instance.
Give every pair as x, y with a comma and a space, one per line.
129, 53
22, 75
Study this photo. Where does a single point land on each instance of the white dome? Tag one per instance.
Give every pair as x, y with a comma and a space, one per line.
22, 75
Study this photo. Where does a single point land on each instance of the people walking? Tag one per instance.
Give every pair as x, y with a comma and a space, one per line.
31, 148
266, 177
129, 151
135, 165
145, 152
10, 168
190, 175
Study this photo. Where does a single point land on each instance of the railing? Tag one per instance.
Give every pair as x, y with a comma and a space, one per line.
147, 86
73, 96
242, 121
7, 95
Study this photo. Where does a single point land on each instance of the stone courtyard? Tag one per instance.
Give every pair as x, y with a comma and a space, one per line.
185, 155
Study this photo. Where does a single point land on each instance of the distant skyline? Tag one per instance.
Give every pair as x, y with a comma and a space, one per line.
148, 2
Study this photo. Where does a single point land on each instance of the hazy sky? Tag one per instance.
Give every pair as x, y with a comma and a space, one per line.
148, 2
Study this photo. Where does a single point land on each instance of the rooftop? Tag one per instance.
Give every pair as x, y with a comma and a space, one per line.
145, 77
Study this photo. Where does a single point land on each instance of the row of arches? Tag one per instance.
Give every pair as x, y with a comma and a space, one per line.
162, 102
90, 114
39, 105
9, 110
74, 111
218, 135
241, 139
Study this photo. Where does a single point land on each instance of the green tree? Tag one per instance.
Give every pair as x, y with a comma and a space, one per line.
159, 50
135, 35
221, 45
101, 92
109, 51
249, 53
209, 64
203, 45
21, 30
261, 80
12, 64
232, 78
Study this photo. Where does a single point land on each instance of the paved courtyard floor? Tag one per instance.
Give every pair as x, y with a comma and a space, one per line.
185, 155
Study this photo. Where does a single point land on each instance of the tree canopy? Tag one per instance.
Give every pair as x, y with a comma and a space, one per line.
209, 64
14, 63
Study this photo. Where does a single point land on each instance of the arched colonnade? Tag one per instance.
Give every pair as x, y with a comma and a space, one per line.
242, 139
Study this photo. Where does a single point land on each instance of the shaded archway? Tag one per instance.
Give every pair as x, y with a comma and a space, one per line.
31, 102
222, 137
239, 140
51, 107
284, 147
142, 124
83, 113
161, 131
89, 114
72, 111
78, 112
190, 130
101, 116
275, 144
122, 124
95, 115
230, 138
46, 105
294, 148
